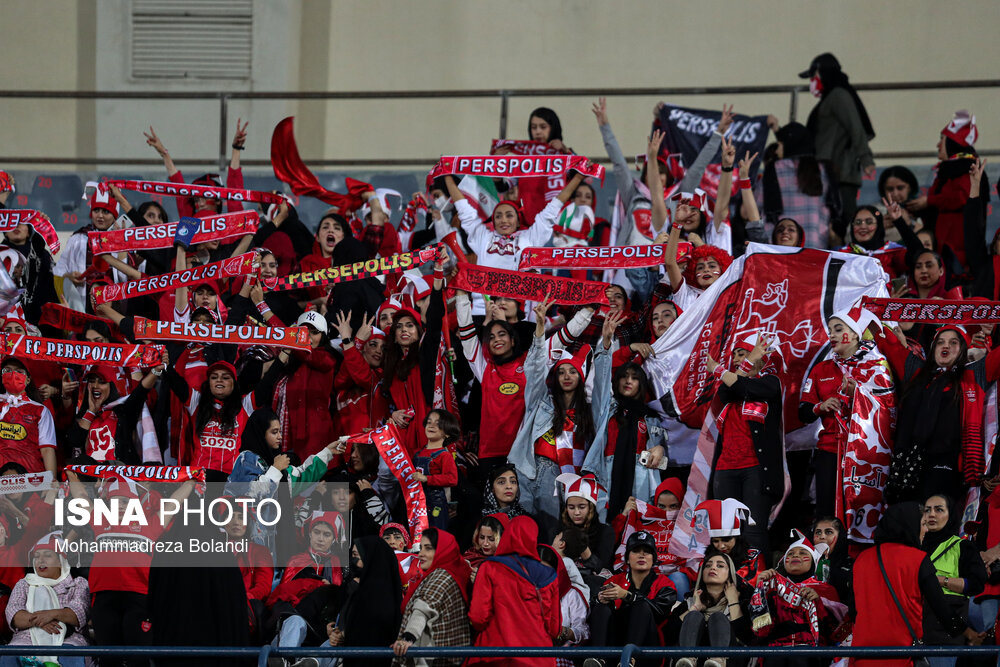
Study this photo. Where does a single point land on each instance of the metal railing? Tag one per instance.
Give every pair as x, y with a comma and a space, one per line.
503, 95
612, 654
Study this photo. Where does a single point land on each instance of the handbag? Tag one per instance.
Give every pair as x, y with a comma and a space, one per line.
922, 660
905, 474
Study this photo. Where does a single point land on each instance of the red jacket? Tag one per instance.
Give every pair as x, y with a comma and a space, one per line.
515, 600
950, 204
824, 382
302, 576
307, 402
257, 568
359, 405
878, 621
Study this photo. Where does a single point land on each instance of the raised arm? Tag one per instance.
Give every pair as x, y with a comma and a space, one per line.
725, 182
748, 203
659, 205
154, 141
670, 261
239, 143
181, 293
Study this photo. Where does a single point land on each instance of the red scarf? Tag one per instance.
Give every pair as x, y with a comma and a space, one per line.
82, 352
371, 268
391, 449
514, 166
151, 237
189, 190
60, 317
606, 257
141, 473
934, 311
12, 217
241, 265
293, 338
527, 286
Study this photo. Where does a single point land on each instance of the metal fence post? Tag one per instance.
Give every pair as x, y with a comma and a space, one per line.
223, 122
504, 98
793, 104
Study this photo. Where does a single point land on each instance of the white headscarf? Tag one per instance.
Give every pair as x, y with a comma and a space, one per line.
43, 597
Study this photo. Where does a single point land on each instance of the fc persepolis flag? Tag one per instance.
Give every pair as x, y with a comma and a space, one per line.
787, 292
688, 130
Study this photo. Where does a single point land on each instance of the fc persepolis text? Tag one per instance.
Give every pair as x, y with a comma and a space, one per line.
100, 512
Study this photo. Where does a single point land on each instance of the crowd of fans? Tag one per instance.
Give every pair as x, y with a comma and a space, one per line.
532, 435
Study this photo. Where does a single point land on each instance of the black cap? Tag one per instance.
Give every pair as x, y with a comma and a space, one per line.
823, 60
641, 540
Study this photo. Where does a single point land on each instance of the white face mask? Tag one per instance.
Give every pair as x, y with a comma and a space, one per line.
672, 515
443, 204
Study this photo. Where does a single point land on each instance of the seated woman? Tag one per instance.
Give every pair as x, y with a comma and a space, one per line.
783, 619
48, 606
716, 614
580, 496
503, 492
635, 602
437, 612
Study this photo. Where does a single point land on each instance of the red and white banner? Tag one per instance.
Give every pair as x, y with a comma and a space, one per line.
787, 292
515, 166
151, 237
141, 473
600, 257
241, 265
653, 520
61, 317
393, 452
527, 286
294, 338
81, 352
29, 483
188, 190
10, 218
934, 311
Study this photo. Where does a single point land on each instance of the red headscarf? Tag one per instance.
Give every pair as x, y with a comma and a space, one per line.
447, 557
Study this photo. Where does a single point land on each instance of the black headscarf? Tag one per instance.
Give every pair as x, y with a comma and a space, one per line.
253, 439
490, 503
933, 539
373, 613
878, 238
900, 525
631, 411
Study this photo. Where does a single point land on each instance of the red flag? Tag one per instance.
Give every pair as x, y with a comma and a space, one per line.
289, 168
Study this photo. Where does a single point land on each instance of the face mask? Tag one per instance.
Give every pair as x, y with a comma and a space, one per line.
672, 515
443, 204
15, 383
816, 86
356, 567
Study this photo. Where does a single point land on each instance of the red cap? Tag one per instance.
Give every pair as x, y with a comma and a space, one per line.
102, 198
962, 129
222, 366
406, 310
105, 373
577, 360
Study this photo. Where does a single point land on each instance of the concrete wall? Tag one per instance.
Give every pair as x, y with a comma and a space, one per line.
451, 44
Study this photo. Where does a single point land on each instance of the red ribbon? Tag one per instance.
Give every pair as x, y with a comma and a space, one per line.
241, 265
10, 218
527, 286
606, 257
515, 166
936, 311
141, 473
294, 338
81, 352
151, 237
289, 168
393, 452
189, 190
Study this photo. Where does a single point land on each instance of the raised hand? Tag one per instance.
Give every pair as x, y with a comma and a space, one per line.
542, 307
976, 170
728, 152
240, 138
745, 164
343, 324
154, 141
367, 325
600, 109
654, 144
893, 211
726, 120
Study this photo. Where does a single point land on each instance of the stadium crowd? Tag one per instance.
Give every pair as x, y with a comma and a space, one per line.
551, 490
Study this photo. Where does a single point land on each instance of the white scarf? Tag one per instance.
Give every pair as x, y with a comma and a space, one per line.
42, 597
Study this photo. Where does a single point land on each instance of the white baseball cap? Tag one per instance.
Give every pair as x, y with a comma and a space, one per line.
314, 319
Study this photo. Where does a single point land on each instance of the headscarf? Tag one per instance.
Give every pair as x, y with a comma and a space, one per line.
933, 539
490, 503
372, 614
518, 551
43, 597
877, 241
722, 604
900, 524
631, 412
254, 434
448, 557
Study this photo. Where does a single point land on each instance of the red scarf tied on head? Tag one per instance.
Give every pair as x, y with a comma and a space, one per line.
448, 557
